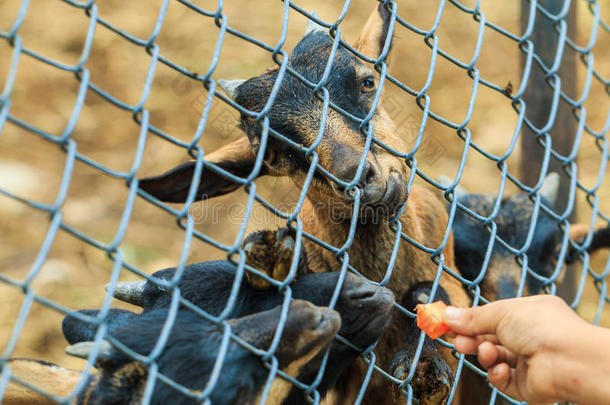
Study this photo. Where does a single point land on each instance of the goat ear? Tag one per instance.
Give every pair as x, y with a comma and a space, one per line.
601, 236
373, 36
578, 232
173, 186
601, 239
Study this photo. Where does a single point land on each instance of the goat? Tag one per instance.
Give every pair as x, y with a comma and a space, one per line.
327, 211
189, 356
503, 278
364, 309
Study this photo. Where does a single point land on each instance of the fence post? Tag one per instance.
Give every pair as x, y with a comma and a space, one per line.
538, 97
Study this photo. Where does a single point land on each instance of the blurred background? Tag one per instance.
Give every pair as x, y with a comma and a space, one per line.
75, 272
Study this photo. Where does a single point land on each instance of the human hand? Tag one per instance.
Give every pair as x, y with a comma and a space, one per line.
529, 346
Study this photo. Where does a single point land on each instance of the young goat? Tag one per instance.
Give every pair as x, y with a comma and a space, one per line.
296, 113
364, 309
189, 356
514, 220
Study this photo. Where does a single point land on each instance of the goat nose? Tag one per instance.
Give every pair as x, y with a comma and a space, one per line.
347, 171
369, 296
368, 176
373, 185
369, 181
371, 174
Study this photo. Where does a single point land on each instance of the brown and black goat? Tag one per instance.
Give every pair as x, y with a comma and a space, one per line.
296, 113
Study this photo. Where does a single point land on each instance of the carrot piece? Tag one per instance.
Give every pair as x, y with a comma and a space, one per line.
430, 319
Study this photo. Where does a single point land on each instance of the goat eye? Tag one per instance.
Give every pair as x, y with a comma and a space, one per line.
270, 155
368, 85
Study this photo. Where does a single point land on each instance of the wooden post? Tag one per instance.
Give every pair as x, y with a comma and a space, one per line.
538, 98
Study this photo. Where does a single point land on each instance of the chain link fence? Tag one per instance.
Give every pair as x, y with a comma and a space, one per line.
99, 94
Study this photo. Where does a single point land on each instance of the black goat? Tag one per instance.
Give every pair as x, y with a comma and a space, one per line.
364, 309
514, 219
191, 351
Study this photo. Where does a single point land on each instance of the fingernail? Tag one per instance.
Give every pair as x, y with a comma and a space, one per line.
452, 313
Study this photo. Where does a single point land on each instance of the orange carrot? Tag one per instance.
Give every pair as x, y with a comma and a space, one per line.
430, 319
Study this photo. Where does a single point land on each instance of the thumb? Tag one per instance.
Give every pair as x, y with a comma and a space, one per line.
475, 321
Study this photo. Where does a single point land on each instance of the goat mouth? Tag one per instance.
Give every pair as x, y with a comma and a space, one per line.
393, 194
381, 204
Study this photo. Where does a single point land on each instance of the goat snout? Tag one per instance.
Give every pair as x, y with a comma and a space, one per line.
371, 297
373, 185
363, 294
370, 180
347, 169
315, 318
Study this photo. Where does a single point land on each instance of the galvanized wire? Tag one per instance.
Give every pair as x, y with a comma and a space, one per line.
68, 147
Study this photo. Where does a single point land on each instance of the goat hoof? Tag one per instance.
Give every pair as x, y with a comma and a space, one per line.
270, 253
433, 377
284, 247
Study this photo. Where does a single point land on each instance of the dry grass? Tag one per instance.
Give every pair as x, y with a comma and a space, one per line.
75, 272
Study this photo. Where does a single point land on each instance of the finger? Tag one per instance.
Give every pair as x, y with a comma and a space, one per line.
499, 376
503, 378
477, 320
506, 356
489, 338
466, 344
469, 344
487, 354
490, 354
486, 337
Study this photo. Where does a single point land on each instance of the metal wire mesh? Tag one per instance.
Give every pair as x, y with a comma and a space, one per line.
68, 147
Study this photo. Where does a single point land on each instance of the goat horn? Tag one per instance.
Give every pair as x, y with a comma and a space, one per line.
313, 26
84, 349
129, 291
458, 190
550, 187
230, 87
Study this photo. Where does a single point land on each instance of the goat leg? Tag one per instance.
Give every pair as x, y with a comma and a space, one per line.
271, 253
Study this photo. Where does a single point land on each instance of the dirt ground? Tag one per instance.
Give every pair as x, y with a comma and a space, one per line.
74, 272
